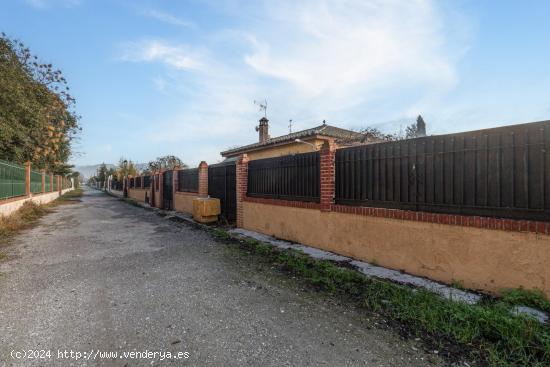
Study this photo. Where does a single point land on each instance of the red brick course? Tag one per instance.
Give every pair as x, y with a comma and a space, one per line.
327, 156
242, 187
449, 219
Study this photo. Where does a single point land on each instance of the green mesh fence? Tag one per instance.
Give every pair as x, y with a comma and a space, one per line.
55, 183
12, 180
48, 183
36, 182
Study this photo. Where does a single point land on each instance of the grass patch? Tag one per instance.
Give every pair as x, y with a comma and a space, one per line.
487, 331
70, 195
524, 297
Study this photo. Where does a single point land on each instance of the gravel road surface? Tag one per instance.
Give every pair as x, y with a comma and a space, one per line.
101, 276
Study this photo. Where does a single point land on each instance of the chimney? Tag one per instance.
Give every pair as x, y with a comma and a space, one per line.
263, 129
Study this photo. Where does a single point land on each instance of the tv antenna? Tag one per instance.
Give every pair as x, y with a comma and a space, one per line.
263, 106
290, 126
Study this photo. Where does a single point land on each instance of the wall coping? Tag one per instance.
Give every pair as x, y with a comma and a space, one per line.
14, 198
43, 193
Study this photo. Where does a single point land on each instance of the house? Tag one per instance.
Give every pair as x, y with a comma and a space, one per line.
297, 142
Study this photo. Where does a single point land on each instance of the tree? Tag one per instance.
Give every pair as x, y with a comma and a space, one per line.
102, 173
166, 162
125, 168
37, 118
373, 134
416, 130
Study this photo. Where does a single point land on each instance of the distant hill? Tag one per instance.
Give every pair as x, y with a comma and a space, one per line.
90, 170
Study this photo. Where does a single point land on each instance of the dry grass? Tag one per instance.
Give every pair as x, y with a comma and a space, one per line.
29, 214
21, 219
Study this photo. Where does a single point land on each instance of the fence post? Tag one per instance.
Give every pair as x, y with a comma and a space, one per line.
152, 189
125, 186
175, 183
327, 156
51, 182
160, 204
43, 172
27, 178
242, 186
203, 179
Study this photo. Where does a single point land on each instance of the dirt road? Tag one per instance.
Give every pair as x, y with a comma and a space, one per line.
101, 276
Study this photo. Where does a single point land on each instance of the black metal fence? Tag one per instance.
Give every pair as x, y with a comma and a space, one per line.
138, 182
146, 181
293, 177
222, 184
116, 185
188, 180
501, 172
167, 182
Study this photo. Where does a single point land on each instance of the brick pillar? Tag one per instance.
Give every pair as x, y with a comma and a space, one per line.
328, 170
51, 182
160, 204
59, 187
27, 178
152, 190
203, 179
175, 183
242, 186
43, 172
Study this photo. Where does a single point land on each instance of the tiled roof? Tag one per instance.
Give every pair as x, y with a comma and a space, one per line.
323, 130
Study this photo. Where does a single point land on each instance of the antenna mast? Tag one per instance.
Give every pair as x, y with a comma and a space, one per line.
263, 106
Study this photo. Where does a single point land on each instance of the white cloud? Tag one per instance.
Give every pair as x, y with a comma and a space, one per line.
314, 59
347, 48
169, 18
177, 56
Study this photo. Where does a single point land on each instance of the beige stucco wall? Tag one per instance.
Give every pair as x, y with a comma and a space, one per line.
137, 194
286, 149
183, 201
8, 207
480, 258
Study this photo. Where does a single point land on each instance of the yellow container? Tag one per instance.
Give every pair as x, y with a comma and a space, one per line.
206, 210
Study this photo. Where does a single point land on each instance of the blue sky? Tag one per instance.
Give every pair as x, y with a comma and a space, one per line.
179, 77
